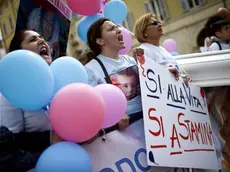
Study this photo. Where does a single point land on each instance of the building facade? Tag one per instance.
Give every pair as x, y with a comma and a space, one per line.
8, 13
183, 20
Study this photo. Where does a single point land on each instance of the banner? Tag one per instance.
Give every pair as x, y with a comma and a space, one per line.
177, 125
50, 18
123, 152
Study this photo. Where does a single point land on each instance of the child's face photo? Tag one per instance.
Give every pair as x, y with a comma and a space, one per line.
128, 82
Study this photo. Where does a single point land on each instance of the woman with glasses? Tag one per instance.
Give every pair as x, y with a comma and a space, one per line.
148, 31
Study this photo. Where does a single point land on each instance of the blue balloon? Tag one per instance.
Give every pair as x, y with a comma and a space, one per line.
84, 25
116, 10
64, 157
26, 80
67, 70
175, 54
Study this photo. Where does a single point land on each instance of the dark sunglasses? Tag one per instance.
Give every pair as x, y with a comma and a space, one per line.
155, 22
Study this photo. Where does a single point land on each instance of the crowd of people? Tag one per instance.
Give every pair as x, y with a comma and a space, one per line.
24, 135
218, 31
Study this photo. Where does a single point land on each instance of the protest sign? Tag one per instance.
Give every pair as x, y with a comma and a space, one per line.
177, 126
126, 150
50, 18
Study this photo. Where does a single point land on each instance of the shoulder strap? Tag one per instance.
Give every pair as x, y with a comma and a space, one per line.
107, 79
218, 44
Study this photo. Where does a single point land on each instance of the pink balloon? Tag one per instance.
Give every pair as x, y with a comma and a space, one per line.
170, 45
103, 3
127, 38
115, 103
77, 112
85, 7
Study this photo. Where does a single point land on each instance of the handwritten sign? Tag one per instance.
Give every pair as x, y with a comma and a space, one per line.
124, 151
177, 125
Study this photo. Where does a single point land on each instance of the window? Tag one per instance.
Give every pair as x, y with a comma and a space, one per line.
11, 23
6, 4
158, 7
1, 36
4, 30
128, 22
189, 4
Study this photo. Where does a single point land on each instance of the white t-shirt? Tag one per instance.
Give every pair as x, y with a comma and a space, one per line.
215, 47
123, 73
158, 54
17, 120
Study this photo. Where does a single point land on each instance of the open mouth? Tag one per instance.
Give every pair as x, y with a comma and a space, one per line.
43, 51
120, 38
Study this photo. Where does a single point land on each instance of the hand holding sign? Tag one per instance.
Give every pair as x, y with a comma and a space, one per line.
139, 56
177, 124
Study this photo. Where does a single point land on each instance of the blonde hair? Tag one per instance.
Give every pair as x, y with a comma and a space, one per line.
141, 25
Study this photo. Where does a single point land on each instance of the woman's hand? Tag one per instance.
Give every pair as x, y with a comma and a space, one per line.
123, 123
174, 71
187, 79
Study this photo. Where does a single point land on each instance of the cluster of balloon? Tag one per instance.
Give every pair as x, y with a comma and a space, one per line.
77, 110
26, 79
108, 10
171, 46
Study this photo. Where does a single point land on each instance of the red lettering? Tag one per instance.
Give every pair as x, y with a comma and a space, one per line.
189, 133
210, 137
162, 127
193, 131
199, 132
157, 133
182, 124
205, 133
174, 131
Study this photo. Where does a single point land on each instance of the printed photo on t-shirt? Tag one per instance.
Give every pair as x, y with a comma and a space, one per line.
128, 81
